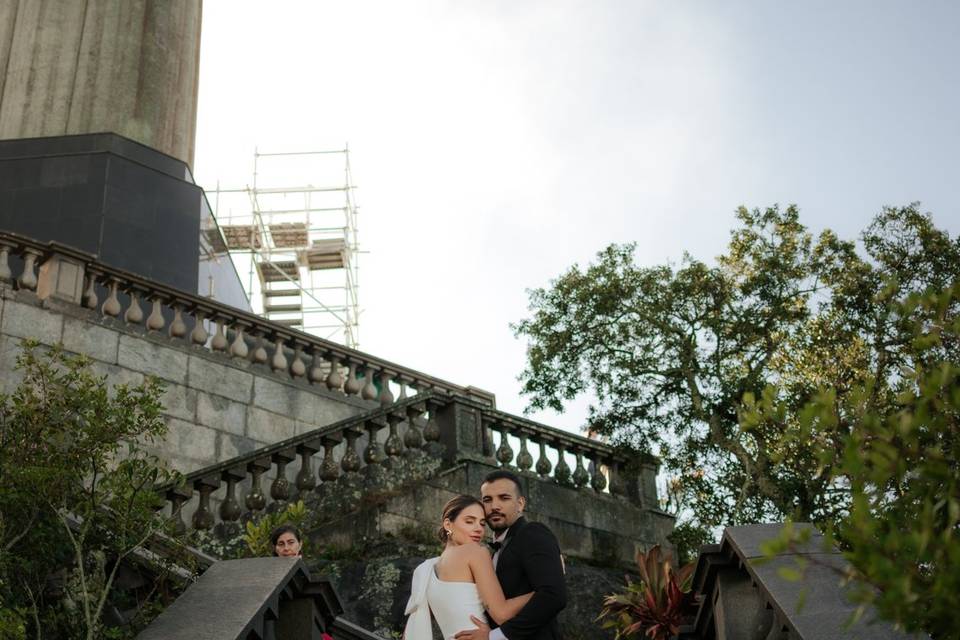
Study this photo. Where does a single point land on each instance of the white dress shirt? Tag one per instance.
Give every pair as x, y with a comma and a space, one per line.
497, 634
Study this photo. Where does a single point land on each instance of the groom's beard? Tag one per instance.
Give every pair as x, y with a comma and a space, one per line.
500, 526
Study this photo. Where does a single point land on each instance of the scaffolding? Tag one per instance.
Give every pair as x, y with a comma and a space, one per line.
297, 244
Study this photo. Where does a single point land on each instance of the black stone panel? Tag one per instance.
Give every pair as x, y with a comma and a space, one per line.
106, 195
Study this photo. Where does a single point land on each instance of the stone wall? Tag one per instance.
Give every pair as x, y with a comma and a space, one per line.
596, 527
216, 407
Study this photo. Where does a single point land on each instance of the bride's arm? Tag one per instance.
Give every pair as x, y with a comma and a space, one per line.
491, 593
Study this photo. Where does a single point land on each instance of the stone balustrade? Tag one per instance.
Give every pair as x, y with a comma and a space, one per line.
412, 415
362, 451
56, 271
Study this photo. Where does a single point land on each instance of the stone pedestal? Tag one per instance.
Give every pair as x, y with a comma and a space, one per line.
135, 208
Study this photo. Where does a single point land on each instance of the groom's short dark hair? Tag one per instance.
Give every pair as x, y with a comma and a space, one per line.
501, 474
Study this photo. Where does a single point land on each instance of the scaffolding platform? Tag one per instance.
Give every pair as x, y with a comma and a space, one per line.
299, 242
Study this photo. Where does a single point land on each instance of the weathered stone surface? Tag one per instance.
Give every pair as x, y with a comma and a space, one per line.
191, 441
284, 399
116, 374
265, 426
29, 321
221, 414
324, 412
180, 401
219, 378
90, 339
9, 350
148, 357
231, 446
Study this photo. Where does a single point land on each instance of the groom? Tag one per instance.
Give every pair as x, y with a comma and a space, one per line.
527, 558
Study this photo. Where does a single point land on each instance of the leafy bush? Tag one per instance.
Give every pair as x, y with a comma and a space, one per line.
257, 534
76, 492
654, 605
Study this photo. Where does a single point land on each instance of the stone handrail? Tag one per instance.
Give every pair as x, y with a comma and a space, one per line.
256, 598
73, 276
339, 444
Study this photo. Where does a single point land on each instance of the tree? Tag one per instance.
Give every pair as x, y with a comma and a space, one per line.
669, 354
77, 491
901, 531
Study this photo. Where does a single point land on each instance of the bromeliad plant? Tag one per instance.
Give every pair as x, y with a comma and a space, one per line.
654, 605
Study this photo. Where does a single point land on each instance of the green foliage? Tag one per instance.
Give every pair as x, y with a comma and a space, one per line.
257, 534
655, 605
898, 463
712, 367
76, 491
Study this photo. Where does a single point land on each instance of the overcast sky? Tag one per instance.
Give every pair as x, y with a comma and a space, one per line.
496, 143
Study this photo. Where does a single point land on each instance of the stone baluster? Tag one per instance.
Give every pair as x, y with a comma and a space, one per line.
353, 385
111, 306
203, 516
280, 487
279, 360
369, 390
486, 438
199, 334
386, 395
259, 354
230, 510
28, 279
329, 469
255, 500
373, 454
305, 480
6, 275
178, 497
334, 378
90, 294
238, 348
618, 486
315, 375
544, 466
524, 459
504, 451
350, 462
393, 446
402, 381
413, 439
598, 481
134, 313
155, 321
297, 368
178, 328
431, 431
580, 476
562, 472
219, 341
374, 473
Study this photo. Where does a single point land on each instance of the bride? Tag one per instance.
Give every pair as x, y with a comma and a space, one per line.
461, 581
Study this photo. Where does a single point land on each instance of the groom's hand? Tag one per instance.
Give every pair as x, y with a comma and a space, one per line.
482, 632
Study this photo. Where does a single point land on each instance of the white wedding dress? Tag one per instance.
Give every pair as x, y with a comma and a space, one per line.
452, 604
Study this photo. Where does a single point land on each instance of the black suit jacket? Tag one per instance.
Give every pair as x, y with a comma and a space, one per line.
530, 561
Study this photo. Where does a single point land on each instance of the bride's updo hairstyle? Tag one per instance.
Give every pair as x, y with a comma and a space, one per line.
452, 509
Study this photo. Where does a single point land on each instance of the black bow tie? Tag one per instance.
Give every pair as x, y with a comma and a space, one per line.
495, 546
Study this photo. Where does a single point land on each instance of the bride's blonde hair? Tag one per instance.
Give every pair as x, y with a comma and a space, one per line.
452, 509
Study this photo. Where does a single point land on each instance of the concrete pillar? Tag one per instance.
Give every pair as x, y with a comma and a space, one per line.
91, 66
